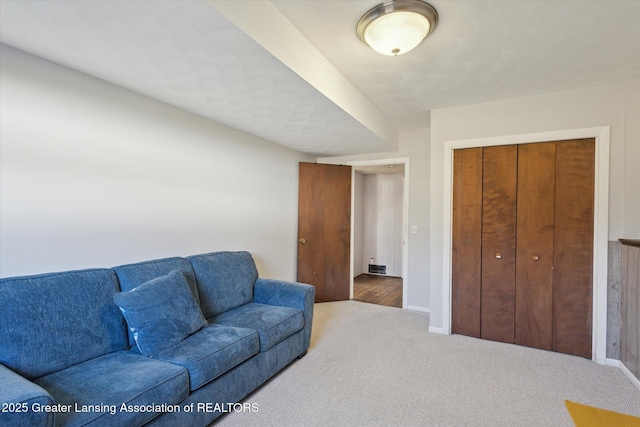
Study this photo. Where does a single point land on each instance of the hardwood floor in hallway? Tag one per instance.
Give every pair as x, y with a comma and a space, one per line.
381, 290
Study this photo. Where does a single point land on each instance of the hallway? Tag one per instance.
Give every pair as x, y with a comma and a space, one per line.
381, 290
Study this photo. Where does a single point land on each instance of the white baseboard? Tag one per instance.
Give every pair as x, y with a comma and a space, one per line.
627, 373
434, 330
416, 308
612, 362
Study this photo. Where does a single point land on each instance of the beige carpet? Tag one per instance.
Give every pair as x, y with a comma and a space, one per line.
370, 365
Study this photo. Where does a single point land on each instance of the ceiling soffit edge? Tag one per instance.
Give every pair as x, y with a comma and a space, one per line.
267, 26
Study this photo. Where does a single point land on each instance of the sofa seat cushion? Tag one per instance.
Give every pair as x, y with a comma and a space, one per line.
273, 323
103, 385
212, 351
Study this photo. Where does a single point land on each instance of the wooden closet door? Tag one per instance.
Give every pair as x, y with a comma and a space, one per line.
499, 243
573, 247
466, 242
534, 253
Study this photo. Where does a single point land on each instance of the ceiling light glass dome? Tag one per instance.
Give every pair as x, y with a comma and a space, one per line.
395, 27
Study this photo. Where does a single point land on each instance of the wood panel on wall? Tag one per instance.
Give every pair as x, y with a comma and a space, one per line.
630, 335
614, 299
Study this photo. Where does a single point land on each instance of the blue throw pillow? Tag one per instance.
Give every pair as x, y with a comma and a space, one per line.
161, 312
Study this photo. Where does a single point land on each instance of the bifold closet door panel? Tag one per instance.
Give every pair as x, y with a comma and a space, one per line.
534, 252
573, 247
466, 242
497, 312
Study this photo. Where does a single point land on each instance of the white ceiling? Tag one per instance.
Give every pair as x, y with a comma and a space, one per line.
481, 50
193, 55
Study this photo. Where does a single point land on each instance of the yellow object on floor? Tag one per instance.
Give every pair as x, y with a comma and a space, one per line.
588, 416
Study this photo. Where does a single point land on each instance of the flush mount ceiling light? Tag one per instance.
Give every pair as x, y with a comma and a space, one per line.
395, 27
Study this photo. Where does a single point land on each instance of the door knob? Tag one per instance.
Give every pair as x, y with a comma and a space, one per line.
302, 240
535, 257
498, 255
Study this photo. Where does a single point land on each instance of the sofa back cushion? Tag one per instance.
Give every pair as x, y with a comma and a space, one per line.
52, 321
225, 280
134, 275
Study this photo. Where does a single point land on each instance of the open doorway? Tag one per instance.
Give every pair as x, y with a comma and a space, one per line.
379, 218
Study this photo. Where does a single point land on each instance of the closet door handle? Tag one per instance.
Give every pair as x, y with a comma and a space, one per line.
498, 255
535, 257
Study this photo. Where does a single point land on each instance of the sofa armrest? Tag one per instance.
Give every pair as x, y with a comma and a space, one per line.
20, 401
288, 294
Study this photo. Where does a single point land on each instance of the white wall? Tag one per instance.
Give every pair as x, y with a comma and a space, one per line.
632, 161
358, 224
585, 108
93, 175
383, 222
414, 144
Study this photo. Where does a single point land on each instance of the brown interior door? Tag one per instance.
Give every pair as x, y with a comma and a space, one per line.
324, 229
466, 242
573, 247
534, 252
499, 243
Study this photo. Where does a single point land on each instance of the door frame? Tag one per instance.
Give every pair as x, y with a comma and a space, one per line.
405, 216
600, 221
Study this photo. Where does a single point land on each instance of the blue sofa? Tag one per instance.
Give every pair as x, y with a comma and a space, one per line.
176, 341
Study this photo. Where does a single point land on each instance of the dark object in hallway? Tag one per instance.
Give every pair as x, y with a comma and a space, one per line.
377, 269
